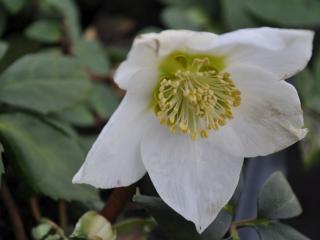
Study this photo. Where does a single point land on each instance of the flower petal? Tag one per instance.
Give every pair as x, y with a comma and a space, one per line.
114, 160
269, 117
139, 72
141, 58
283, 52
195, 178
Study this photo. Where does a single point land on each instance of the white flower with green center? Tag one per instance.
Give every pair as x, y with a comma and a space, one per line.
196, 105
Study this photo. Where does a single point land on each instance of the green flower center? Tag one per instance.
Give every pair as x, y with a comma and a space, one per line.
193, 94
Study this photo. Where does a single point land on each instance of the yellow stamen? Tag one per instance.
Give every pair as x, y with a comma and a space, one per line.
196, 98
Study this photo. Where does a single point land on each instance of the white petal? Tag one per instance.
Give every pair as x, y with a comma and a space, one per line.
283, 52
195, 178
141, 59
184, 40
139, 72
269, 117
114, 160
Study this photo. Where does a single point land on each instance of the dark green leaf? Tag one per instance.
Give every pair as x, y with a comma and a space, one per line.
192, 18
45, 31
45, 158
79, 116
103, 100
277, 200
181, 3
91, 54
176, 227
44, 82
70, 15
1, 163
235, 15
18, 46
127, 226
92, 225
278, 231
55, 236
3, 48
13, 6
310, 145
297, 12
3, 21
40, 231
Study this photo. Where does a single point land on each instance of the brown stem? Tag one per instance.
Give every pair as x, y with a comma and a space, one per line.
35, 209
63, 218
13, 212
117, 201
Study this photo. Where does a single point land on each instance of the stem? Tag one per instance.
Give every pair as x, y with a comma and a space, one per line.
13, 212
117, 201
245, 223
63, 218
35, 209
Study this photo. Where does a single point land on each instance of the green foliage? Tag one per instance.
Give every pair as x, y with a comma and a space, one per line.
278, 231
79, 115
235, 15
1, 163
92, 56
13, 6
3, 21
101, 103
103, 100
92, 226
296, 13
44, 158
127, 226
3, 49
193, 18
308, 84
277, 200
45, 31
48, 230
44, 82
69, 12
176, 227
41, 231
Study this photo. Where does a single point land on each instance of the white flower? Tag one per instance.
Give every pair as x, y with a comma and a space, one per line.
218, 99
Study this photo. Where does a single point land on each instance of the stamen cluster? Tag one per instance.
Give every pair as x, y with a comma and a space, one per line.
196, 98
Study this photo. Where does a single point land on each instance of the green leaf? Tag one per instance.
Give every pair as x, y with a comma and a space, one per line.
3, 48
277, 200
193, 18
2, 171
18, 46
40, 231
93, 226
79, 116
13, 6
69, 12
176, 227
54, 237
44, 82
297, 12
92, 55
235, 15
45, 158
278, 231
3, 21
45, 31
311, 143
127, 226
103, 100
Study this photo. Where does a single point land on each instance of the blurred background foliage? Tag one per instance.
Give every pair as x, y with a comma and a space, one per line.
57, 59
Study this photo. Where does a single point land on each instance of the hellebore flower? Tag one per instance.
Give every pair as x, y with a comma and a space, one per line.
197, 104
